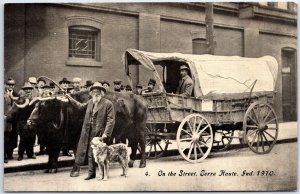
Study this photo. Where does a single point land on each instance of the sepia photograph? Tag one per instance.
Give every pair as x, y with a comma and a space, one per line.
150, 97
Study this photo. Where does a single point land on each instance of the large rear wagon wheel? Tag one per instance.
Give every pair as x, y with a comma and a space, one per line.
261, 127
194, 138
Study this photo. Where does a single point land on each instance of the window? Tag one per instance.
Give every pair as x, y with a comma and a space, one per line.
83, 43
84, 34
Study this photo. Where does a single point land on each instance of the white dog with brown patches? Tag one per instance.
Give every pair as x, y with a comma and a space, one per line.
104, 154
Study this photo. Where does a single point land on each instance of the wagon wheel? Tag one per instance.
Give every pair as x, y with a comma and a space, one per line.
194, 138
222, 139
260, 126
156, 142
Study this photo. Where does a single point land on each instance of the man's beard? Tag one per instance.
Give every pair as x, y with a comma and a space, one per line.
96, 98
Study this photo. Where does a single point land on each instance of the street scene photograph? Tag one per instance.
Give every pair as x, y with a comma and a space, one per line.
152, 96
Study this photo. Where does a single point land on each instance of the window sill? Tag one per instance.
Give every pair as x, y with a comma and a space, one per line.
83, 62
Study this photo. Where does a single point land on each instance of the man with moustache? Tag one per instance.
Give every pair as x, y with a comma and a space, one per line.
99, 121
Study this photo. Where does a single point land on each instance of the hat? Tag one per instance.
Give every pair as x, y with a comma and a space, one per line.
76, 79
99, 86
46, 86
32, 80
128, 87
152, 81
139, 86
105, 82
27, 85
10, 81
64, 80
117, 81
41, 79
51, 85
184, 67
88, 83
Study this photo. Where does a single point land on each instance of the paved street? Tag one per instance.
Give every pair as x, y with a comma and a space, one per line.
274, 171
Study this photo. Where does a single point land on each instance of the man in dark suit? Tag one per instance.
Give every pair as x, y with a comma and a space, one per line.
186, 84
10, 129
99, 121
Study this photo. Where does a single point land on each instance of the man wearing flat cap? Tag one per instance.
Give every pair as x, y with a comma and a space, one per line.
117, 85
99, 121
151, 85
35, 92
186, 84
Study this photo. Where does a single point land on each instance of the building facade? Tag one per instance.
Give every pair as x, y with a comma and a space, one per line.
88, 40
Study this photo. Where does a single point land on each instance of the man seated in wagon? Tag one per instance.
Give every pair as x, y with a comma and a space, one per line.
186, 84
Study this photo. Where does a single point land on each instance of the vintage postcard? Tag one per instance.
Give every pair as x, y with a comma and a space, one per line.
173, 96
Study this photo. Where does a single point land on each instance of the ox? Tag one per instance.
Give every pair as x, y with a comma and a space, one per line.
130, 123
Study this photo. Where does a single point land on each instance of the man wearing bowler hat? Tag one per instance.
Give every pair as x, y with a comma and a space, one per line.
186, 84
88, 84
99, 121
64, 83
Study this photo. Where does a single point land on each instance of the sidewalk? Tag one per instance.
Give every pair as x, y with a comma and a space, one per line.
287, 133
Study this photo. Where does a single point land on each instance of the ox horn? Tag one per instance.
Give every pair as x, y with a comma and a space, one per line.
34, 100
23, 105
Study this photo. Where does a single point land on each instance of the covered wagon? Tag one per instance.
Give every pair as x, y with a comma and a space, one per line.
230, 94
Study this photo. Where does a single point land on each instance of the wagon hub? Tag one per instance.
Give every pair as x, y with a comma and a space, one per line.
262, 127
195, 137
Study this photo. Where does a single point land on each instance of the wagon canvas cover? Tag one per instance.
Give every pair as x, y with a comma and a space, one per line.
216, 74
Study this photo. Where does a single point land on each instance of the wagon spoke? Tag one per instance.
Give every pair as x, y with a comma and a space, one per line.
258, 143
203, 129
252, 119
270, 135
186, 146
262, 142
187, 132
204, 144
150, 150
186, 139
267, 115
194, 124
267, 141
155, 151
257, 121
251, 133
268, 122
254, 138
251, 126
195, 151
198, 127
191, 128
190, 150
199, 147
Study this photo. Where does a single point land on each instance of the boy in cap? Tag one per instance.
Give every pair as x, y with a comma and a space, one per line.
186, 84
151, 85
117, 85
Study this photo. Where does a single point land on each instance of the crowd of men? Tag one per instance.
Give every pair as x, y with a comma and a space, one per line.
39, 88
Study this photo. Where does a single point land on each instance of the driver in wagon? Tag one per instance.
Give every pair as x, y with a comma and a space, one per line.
186, 84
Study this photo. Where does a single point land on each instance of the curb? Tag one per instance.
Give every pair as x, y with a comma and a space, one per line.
69, 163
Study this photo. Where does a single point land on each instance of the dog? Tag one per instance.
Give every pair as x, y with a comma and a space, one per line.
104, 154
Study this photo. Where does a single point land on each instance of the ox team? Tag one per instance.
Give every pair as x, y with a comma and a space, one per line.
41, 88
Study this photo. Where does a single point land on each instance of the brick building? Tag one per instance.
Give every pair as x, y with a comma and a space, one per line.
44, 39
